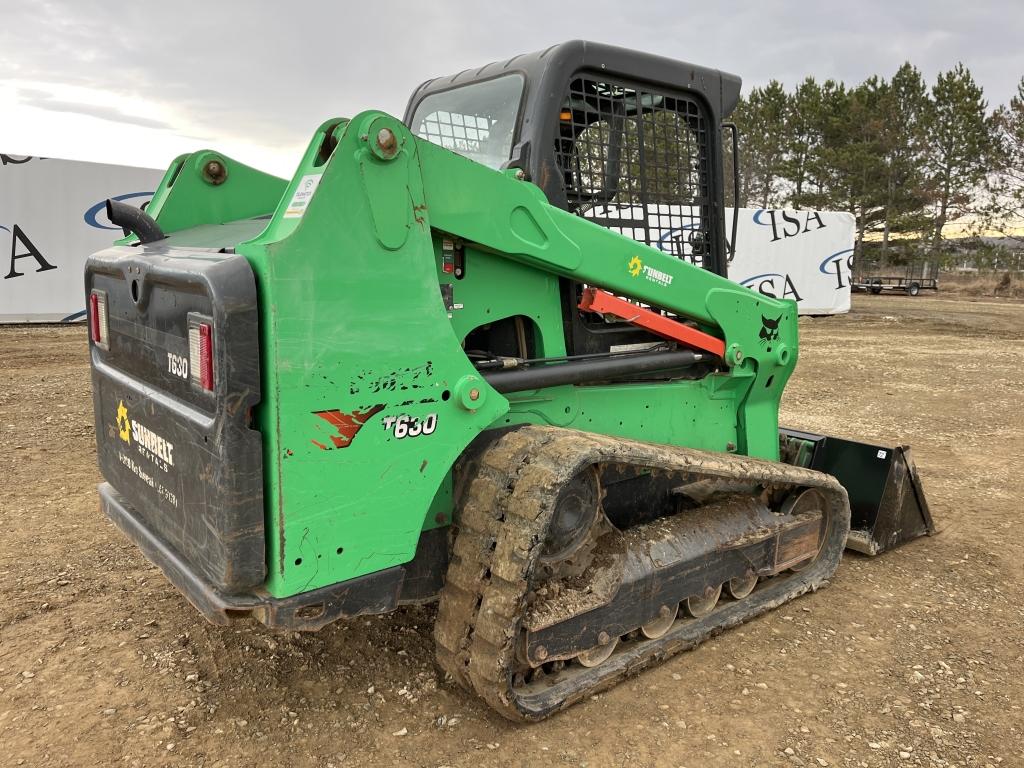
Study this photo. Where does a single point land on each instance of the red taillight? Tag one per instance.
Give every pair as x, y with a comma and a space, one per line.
94, 317
200, 349
98, 331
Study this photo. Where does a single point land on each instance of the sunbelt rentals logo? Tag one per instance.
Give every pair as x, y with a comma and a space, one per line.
124, 426
147, 442
636, 267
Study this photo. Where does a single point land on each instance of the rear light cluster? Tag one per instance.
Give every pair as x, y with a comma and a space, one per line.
99, 329
200, 353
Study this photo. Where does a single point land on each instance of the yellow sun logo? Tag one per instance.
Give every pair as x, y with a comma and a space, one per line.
635, 265
124, 427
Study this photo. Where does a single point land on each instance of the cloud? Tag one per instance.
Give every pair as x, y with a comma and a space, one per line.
263, 74
31, 97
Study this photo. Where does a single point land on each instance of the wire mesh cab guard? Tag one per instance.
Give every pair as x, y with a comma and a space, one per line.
635, 160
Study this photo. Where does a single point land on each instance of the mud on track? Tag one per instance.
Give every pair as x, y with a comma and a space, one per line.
913, 658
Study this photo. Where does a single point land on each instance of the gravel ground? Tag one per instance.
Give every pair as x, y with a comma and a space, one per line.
913, 658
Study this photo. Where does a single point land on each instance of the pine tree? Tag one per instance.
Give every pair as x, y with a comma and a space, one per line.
823, 187
802, 136
901, 159
1006, 185
960, 144
847, 169
760, 117
907, 114
863, 160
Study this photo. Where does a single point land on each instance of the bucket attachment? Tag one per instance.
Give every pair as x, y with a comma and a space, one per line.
887, 503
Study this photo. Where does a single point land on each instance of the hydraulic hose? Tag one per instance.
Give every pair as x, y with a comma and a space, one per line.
134, 221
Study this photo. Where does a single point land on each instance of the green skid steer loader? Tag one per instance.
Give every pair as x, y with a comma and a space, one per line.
486, 355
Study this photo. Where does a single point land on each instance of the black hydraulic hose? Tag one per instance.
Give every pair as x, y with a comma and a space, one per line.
501, 363
584, 371
134, 221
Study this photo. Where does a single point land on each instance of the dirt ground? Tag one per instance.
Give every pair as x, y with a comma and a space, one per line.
912, 658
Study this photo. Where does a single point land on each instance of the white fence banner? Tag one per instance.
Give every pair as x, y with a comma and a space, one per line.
52, 218
801, 255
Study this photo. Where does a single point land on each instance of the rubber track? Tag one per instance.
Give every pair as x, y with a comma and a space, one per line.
504, 514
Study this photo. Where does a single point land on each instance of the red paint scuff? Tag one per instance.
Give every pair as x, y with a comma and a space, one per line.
347, 424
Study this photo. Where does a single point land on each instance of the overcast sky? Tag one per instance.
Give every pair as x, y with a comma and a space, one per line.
140, 82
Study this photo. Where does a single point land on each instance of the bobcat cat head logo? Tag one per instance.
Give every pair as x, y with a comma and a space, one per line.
769, 330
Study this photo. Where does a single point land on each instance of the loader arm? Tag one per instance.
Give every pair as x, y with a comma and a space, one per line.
523, 226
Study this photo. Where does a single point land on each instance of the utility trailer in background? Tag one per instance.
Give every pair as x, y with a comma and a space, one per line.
918, 277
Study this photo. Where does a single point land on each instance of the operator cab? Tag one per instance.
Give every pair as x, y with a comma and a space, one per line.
628, 140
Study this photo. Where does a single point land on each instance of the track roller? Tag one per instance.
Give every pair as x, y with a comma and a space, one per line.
599, 653
741, 586
655, 628
700, 606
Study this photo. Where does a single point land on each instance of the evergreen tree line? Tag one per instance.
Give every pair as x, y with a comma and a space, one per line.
904, 158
